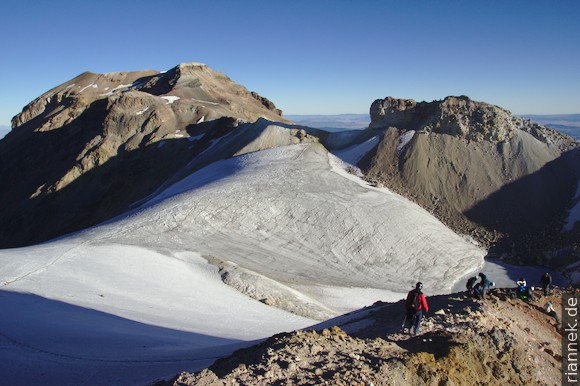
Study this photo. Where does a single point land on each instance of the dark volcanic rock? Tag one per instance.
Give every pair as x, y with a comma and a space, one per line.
266, 103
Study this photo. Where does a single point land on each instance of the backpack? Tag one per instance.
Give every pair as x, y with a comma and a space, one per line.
415, 301
470, 282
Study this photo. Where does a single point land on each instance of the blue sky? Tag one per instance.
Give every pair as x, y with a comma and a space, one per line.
308, 57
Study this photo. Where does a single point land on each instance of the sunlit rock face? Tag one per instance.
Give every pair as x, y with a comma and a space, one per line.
479, 169
85, 150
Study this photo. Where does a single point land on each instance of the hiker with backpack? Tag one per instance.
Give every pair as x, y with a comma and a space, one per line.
524, 292
470, 283
483, 286
416, 304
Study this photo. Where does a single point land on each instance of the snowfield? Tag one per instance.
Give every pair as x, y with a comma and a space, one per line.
266, 242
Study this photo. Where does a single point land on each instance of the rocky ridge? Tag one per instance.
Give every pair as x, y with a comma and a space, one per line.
98, 143
461, 117
199, 90
496, 341
503, 180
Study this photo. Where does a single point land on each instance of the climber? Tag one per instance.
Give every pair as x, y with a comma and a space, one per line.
470, 282
415, 304
523, 291
481, 288
545, 281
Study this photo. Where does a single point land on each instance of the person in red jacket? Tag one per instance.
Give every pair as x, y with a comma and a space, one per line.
416, 304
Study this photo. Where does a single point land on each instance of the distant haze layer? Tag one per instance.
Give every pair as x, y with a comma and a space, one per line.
568, 124
338, 122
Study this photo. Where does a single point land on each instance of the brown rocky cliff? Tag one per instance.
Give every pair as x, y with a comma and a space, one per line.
85, 150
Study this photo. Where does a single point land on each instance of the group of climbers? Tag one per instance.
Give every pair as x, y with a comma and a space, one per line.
522, 291
525, 292
416, 303
479, 290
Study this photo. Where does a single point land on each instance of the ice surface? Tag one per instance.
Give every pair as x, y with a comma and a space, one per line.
505, 275
355, 153
119, 87
404, 139
88, 86
170, 98
142, 297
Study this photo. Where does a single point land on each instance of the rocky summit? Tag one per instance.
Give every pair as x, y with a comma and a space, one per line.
85, 150
461, 117
502, 179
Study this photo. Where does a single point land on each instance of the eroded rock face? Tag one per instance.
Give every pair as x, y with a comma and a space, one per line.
479, 169
83, 151
460, 117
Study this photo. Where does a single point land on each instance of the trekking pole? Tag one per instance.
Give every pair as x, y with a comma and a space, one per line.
404, 321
